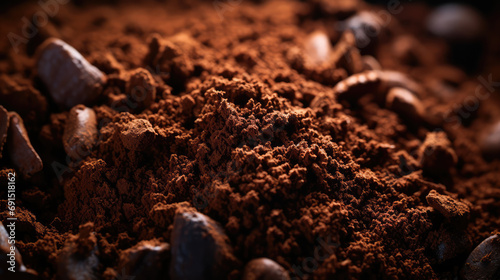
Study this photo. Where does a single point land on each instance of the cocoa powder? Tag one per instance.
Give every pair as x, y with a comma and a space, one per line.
304, 165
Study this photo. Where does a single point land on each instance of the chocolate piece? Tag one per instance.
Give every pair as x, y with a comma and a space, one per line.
141, 88
436, 155
148, 260
456, 22
137, 135
78, 259
22, 154
264, 269
484, 261
318, 48
69, 77
450, 208
4, 127
200, 248
80, 132
464, 31
7, 261
407, 105
357, 85
490, 143
374, 81
366, 26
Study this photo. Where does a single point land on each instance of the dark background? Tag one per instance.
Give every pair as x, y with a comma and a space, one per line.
485, 6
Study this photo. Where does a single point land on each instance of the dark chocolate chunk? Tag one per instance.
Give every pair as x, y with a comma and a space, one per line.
456, 22
4, 127
406, 104
200, 248
357, 85
69, 77
148, 260
374, 81
366, 27
80, 132
138, 135
464, 29
484, 261
78, 259
490, 142
264, 269
22, 154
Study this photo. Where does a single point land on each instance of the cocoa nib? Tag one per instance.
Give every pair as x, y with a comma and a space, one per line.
264, 269
200, 248
358, 85
406, 104
22, 154
490, 142
376, 82
484, 261
69, 77
366, 27
80, 132
456, 22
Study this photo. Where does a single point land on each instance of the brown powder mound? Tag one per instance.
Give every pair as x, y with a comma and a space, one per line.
220, 110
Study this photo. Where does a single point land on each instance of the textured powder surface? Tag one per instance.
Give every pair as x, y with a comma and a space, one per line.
231, 130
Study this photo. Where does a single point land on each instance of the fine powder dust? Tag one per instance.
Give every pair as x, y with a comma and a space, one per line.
337, 190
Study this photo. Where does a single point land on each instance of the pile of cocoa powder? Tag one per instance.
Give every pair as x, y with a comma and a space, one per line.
335, 138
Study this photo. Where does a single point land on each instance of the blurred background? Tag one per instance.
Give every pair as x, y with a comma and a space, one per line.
485, 6
469, 30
